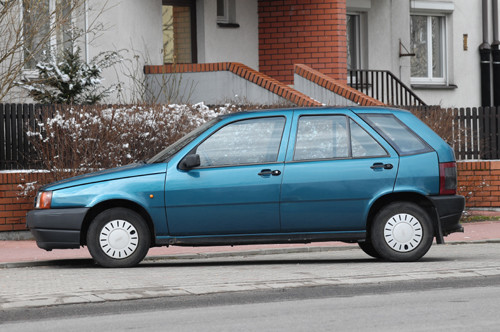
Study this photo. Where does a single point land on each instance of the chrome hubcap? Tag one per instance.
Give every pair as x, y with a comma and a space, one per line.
118, 239
403, 232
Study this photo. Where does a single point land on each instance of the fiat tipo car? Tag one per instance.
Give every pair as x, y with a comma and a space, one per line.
378, 177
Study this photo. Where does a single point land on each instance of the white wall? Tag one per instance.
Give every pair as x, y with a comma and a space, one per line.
216, 44
135, 29
387, 23
212, 88
319, 93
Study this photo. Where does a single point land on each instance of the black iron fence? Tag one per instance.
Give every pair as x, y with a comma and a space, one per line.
474, 133
477, 133
384, 86
16, 120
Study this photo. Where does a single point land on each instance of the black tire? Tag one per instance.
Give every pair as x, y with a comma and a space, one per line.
368, 249
401, 232
118, 237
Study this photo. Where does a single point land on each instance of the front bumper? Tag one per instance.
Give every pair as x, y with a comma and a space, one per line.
56, 228
449, 210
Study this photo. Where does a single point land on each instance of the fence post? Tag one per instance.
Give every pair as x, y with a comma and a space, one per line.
2, 137
475, 135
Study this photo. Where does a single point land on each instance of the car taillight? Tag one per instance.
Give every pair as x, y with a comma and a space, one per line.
448, 178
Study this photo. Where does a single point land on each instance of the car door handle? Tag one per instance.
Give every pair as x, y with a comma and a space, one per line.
270, 172
381, 165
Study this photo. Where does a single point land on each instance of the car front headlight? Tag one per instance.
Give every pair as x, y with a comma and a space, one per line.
43, 200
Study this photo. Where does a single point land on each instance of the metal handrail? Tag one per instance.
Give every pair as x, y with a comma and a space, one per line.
384, 86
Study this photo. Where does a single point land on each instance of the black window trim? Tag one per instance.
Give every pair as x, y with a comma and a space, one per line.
193, 150
349, 157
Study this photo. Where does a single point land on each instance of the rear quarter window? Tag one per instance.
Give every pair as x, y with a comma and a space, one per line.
400, 136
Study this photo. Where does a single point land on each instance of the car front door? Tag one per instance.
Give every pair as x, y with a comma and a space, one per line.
236, 187
334, 170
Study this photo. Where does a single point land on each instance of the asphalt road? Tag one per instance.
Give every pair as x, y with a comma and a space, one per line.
469, 304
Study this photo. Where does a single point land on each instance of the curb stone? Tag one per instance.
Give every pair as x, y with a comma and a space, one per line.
151, 259
87, 261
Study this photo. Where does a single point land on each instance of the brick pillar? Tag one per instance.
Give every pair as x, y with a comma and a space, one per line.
311, 32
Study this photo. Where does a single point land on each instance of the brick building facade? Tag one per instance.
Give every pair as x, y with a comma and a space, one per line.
311, 32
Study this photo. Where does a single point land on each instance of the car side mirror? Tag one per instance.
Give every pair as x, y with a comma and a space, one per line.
190, 161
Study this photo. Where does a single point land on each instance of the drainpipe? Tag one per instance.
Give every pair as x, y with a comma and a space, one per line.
86, 35
485, 55
495, 51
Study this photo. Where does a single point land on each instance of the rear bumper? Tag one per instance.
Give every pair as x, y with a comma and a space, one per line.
449, 210
56, 228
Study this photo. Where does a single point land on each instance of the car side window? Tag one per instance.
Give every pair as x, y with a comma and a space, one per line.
402, 138
364, 145
253, 141
321, 137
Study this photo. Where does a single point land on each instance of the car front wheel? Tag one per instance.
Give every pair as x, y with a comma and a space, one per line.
118, 237
402, 232
368, 249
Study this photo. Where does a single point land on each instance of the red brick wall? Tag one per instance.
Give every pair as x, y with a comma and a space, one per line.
13, 206
311, 32
478, 181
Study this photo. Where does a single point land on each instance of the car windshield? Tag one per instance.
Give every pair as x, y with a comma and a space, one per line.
172, 149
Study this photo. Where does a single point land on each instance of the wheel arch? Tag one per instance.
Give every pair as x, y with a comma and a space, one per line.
102, 206
419, 199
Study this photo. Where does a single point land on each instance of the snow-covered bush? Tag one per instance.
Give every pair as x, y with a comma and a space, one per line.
69, 80
77, 140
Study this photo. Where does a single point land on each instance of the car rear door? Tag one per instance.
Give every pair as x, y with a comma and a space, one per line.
336, 166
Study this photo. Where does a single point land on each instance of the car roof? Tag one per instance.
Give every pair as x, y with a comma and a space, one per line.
355, 109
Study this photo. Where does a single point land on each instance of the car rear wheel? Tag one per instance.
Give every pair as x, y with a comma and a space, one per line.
118, 237
401, 232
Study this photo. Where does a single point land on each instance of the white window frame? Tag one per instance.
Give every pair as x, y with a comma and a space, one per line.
32, 72
361, 42
430, 6
229, 9
357, 40
444, 50
225, 17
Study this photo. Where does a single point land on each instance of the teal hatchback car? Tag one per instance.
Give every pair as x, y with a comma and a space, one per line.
378, 177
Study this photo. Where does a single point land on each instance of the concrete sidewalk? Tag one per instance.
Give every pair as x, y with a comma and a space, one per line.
68, 282
26, 253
